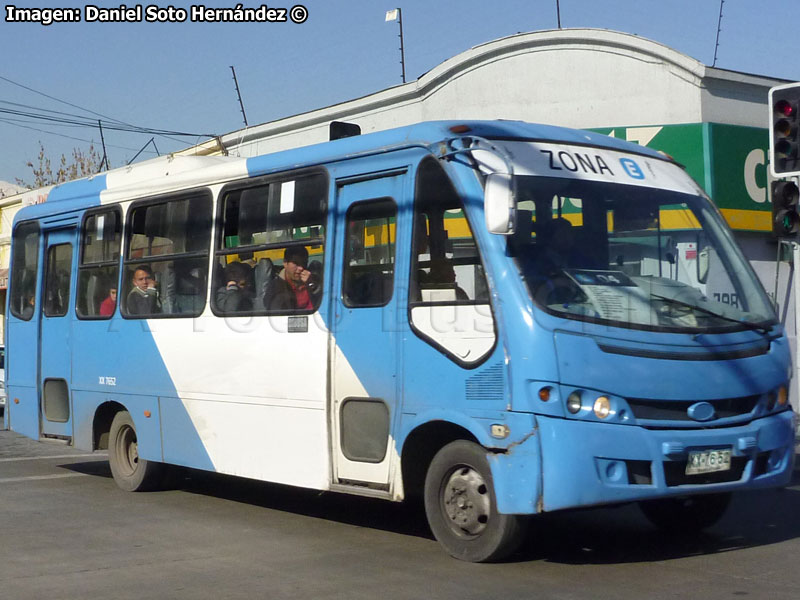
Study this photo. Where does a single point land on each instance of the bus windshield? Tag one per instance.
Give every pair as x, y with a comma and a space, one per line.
633, 257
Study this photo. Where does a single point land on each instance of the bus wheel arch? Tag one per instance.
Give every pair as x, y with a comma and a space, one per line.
419, 448
101, 426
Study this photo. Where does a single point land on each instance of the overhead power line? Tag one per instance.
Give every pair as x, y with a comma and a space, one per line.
40, 109
69, 137
110, 124
30, 89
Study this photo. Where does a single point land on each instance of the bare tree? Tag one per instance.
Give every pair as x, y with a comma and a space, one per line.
81, 164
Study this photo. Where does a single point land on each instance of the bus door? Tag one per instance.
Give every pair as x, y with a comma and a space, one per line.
365, 334
55, 367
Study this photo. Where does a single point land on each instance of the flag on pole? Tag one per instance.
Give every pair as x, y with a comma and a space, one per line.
391, 15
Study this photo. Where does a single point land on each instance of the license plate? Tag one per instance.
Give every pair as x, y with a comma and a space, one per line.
708, 461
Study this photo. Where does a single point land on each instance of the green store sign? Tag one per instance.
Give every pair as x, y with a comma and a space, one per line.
728, 161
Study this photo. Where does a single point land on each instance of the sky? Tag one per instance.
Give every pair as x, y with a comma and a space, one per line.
176, 76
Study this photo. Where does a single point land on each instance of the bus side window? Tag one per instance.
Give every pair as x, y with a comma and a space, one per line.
57, 279
98, 266
446, 265
369, 254
262, 224
448, 292
24, 266
166, 257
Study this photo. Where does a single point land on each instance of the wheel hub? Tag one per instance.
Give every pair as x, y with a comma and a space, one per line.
128, 450
466, 501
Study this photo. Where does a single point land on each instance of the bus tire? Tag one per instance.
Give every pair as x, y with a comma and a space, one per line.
131, 473
461, 507
685, 515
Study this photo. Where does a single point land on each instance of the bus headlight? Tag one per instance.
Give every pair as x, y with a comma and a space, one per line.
602, 407
574, 402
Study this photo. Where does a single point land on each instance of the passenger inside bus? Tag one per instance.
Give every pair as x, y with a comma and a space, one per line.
237, 293
143, 298
295, 287
29, 306
108, 305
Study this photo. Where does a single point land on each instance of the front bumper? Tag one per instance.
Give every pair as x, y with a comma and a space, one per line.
587, 464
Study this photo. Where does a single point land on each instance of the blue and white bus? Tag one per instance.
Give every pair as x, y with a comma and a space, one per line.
503, 318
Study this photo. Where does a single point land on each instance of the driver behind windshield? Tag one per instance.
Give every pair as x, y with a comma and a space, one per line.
556, 241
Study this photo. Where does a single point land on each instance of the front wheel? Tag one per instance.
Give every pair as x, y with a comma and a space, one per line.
461, 506
689, 514
131, 473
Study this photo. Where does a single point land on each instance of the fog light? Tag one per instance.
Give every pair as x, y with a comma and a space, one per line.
775, 459
602, 407
574, 402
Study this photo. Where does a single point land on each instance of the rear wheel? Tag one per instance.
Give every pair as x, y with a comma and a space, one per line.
131, 473
688, 514
461, 506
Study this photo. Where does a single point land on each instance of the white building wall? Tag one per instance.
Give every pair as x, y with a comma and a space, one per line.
575, 78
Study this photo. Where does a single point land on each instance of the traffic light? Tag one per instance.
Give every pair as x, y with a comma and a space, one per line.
784, 134
785, 220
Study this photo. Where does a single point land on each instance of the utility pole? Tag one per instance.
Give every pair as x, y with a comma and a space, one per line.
719, 28
397, 15
241, 104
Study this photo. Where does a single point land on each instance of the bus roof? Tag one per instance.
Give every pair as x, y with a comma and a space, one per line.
177, 172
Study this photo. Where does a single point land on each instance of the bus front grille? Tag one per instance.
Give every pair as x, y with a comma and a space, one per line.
678, 410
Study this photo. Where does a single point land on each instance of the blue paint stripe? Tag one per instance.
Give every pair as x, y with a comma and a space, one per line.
75, 195
82, 188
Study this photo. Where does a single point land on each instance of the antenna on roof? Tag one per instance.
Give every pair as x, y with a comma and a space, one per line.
105, 153
241, 104
719, 28
558, 13
152, 141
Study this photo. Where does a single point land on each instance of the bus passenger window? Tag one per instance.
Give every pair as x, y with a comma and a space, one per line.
369, 254
166, 257
58, 272
270, 248
98, 266
24, 266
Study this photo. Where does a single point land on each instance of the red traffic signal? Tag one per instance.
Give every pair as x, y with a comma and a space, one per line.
784, 134
785, 108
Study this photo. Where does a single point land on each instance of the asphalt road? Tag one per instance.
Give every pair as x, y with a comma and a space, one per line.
67, 531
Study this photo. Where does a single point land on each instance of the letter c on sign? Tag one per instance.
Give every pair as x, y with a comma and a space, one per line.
751, 163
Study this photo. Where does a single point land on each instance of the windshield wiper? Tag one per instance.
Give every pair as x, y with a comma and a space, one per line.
752, 326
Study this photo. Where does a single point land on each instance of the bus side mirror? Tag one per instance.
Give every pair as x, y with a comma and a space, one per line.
703, 264
499, 203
